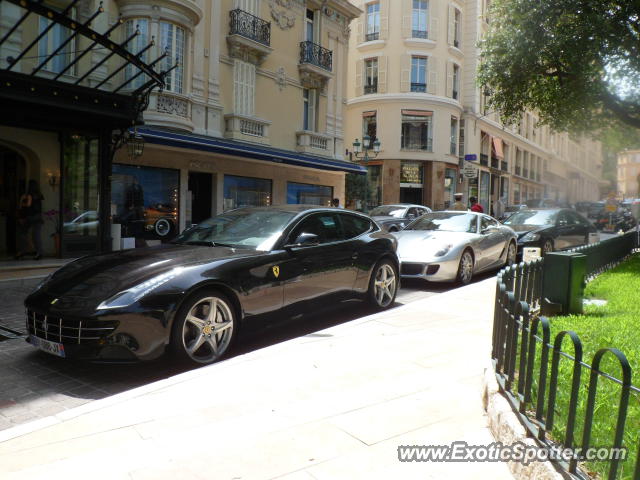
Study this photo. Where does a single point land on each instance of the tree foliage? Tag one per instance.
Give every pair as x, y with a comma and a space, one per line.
575, 62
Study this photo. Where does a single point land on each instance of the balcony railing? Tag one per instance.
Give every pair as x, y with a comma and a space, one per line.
419, 34
371, 88
249, 26
370, 37
484, 159
316, 55
418, 87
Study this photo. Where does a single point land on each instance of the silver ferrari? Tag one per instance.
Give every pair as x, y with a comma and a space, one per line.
453, 246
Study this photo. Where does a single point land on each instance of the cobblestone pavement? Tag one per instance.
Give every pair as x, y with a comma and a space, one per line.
37, 385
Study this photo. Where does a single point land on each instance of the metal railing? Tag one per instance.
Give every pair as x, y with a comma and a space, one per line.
418, 87
373, 88
316, 55
419, 34
527, 364
249, 26
370, 37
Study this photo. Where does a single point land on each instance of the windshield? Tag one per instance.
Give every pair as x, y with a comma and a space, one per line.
532, 217
388, 211
446, 222
243, 228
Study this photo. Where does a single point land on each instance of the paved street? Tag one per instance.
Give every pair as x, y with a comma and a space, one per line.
37, 385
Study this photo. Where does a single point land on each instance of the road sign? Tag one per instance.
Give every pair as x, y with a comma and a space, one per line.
471, 157
470, 171
610, 207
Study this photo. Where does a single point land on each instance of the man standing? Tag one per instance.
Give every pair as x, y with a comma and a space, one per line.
458, 205
475, 206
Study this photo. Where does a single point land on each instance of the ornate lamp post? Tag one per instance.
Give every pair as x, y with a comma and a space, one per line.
362, 152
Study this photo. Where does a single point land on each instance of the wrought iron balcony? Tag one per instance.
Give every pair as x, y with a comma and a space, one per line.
370, 37
418, 87
249, 26
419, 34
373, 88
316, 55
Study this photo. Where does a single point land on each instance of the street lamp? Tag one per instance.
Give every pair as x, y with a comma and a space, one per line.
135, 145
362, 152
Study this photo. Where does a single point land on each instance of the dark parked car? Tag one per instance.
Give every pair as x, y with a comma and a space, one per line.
595, 209
193, 295
394, 218
510, 210
551, 229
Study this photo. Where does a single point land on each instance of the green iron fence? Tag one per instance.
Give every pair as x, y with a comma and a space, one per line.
527, 363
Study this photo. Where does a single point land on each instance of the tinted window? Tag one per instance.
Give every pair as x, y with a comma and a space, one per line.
388, 210
532, 217
486, 222
352, 225
323, 225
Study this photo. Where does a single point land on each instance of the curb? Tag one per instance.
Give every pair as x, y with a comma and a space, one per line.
507, 429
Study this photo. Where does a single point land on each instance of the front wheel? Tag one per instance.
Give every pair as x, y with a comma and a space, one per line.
383, 285
465, 268
204, 328
511, 254
547, 247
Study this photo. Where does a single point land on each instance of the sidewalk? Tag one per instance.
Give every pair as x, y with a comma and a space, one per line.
335, 404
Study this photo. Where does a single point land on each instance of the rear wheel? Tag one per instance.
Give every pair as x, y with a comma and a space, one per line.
511, 254
547, 247
204, 328
465, 268
383, 285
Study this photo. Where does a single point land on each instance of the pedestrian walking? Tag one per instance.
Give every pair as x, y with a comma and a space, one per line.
458, 205
30, 222
475, 206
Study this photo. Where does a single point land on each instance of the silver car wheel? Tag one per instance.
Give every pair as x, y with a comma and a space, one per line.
162, 227
511, 254
385, 285
466, 267
207, 330
547, 247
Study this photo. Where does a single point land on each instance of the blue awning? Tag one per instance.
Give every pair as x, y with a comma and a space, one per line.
229, 147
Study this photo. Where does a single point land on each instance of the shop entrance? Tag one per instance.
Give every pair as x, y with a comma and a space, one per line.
201, 196
12, 186
411, 195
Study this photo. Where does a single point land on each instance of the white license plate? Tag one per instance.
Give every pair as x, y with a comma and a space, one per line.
53, 348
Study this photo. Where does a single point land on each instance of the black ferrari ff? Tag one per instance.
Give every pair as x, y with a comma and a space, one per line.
191, 296
551, 229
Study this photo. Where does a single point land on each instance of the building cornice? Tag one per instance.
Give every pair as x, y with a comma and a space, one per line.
405, 97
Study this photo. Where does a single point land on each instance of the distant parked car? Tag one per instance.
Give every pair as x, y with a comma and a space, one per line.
541, 203
393, 218
453, 246
552, 229
595, 209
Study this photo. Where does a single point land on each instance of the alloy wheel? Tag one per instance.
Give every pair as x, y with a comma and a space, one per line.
207, 330
511, 254
466, 268
162, 227
547, 247
385, 285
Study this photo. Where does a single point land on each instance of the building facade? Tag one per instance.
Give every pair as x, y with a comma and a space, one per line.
629, 174
412, 85
251, 113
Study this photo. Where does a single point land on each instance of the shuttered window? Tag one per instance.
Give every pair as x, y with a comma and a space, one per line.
244, 87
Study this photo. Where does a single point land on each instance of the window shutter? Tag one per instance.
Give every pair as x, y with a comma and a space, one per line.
237, 85
382, 74
384, 19
433, 21
360, 29
359, 78
432, 75
251, 89
449, 92
405, 73
451, 29
407, 18
312, 110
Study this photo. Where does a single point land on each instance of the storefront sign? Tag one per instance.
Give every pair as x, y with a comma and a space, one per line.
411, 173
471, 157
470, 171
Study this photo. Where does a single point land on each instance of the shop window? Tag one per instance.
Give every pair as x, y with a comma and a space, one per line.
411, 173
307, 194
145, 200
417, 131
246, 192
172, 39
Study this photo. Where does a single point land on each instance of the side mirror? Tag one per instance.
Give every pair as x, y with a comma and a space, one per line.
484, 231
562, 223
304, 240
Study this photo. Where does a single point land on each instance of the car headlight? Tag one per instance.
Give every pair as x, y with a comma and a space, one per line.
132, 295
531, 237
443, 250
43, 281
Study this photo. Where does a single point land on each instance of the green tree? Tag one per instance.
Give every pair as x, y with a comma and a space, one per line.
575, 62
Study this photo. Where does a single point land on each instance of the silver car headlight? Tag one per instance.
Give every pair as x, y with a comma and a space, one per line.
531, 237
443, 250
132, 295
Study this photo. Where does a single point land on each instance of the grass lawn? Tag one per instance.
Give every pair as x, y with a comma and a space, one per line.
616, 324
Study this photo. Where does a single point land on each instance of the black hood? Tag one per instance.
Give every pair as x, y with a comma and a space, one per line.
101, 276
522, 230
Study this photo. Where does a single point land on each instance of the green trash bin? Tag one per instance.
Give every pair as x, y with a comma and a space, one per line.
563, 282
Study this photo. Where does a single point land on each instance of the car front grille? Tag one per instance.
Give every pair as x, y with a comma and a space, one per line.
412, 269
68, 331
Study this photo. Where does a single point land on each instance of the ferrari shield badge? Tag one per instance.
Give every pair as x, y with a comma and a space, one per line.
276, 271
